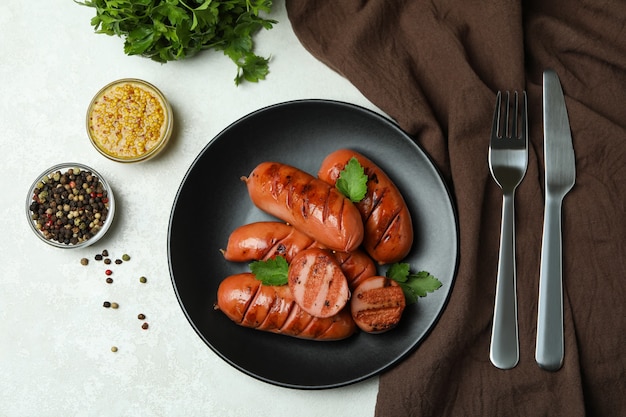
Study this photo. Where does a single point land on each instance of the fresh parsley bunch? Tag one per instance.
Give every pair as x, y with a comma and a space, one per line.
168, 30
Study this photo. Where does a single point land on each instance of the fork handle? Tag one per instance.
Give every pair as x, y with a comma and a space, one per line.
549, 348
504, 348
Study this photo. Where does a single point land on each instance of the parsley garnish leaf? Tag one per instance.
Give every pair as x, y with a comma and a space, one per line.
272, 271
413, 285
352, 181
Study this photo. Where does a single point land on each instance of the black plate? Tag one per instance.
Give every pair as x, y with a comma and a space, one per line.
212, 201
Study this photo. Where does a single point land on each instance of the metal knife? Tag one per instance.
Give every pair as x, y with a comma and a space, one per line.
560, 175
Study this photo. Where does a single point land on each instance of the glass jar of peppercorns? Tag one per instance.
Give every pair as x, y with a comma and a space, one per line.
70, 205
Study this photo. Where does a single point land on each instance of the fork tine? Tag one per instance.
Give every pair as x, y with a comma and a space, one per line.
496, 116
507, 128
525, 116
516, 127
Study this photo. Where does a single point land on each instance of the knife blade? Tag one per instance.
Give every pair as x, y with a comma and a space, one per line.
560, 176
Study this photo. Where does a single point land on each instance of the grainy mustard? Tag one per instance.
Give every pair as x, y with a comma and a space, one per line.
128, 120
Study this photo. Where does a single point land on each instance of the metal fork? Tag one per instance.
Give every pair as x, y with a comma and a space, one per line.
508, 159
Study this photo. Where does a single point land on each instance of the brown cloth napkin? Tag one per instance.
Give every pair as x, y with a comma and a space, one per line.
434, 67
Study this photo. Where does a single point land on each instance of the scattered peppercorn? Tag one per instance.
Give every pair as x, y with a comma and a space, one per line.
109, 280
63, 208
113, 348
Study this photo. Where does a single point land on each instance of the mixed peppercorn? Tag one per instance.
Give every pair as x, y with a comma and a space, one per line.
69, 207
104, 257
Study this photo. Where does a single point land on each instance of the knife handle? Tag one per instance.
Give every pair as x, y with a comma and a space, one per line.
504, 347
550, 345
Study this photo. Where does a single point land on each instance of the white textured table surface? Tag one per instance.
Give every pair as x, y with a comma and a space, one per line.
55, 336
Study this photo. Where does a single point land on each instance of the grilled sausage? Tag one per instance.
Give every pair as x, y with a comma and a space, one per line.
377, 304
259, 241
388, 225
307, 203
264, 240
317, 283
356, 266
244, 300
